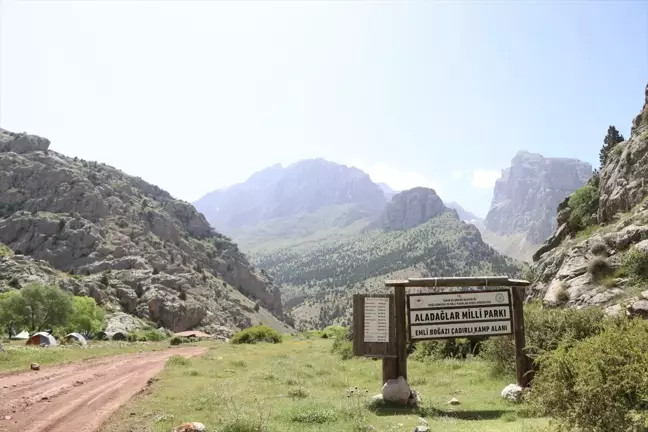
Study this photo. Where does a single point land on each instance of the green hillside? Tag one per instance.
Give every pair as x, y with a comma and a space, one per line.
319, 278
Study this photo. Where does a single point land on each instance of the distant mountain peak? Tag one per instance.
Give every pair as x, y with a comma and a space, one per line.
301, 187
411, 208
527, 195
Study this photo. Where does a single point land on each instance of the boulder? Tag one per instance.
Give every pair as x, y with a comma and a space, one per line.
396, 391
512, 393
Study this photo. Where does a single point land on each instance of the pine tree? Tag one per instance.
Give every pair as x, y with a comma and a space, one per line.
612, 138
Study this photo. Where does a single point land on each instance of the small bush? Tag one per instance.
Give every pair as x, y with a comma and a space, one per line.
314, 416
545, 330
562, 294
177, 360
256, 334
449, 348
243, 425
598, 267
598, 384
5, 251
583, 203
599, 249
634, 263
298, 393
343, 348
178, 340
146, 336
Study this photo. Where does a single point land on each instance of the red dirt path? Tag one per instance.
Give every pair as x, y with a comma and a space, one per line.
80, 396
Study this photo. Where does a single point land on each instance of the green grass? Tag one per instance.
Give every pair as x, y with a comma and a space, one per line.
300, 386
18, 356
5, 251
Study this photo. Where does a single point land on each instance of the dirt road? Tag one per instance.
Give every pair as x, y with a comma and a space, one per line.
77, 397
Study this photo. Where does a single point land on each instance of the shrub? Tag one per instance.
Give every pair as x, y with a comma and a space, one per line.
335, 332
598, 384
256, 334
598, 267
178, 360
5, 251
599, 249
562, 294
448, 348
545, 330
314, 416
343, 348
146, 336
634, 263
583, 203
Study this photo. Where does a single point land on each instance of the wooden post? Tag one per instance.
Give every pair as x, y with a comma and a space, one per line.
401, 330
521, 359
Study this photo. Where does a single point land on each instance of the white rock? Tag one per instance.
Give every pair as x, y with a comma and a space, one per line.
454, 401
512, 392
396, 391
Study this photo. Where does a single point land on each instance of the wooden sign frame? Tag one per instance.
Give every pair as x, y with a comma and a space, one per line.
373, 349
394, 352
411, 326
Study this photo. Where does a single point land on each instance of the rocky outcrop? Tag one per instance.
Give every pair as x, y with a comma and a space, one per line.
412, 208
278, 192
127, 243
582, 267
526, 196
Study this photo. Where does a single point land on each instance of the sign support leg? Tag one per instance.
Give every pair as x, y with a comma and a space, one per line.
401, 330
521, 360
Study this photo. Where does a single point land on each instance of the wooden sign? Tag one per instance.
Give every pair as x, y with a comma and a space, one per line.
448, 315
373, 326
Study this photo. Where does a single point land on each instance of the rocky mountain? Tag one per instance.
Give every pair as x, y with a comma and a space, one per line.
411, 208
598, 255
527, 194
416, 236
96, 231
302, 188
463, 214
523, 209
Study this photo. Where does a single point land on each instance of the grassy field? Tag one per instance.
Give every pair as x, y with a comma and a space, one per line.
18, 356
299, 386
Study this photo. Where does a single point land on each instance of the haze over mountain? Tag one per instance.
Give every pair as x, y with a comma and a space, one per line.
301, 188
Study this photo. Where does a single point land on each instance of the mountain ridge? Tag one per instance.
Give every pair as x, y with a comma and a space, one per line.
125, 242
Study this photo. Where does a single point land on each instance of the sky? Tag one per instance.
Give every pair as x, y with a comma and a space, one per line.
196, 96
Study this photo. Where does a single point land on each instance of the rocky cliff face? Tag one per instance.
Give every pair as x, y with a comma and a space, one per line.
600, 256
526, 196
412, 208
125, 242
278, 192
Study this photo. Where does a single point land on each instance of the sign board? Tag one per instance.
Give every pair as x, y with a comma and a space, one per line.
374, 332
376, 319
459, 314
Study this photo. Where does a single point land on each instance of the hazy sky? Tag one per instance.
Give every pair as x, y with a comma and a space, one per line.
194, 96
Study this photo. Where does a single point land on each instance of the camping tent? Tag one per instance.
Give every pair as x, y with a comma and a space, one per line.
20, 336
42, 338
119, 336
77, 338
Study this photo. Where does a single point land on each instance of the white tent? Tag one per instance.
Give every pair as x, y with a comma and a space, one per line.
76, 337
21, 336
